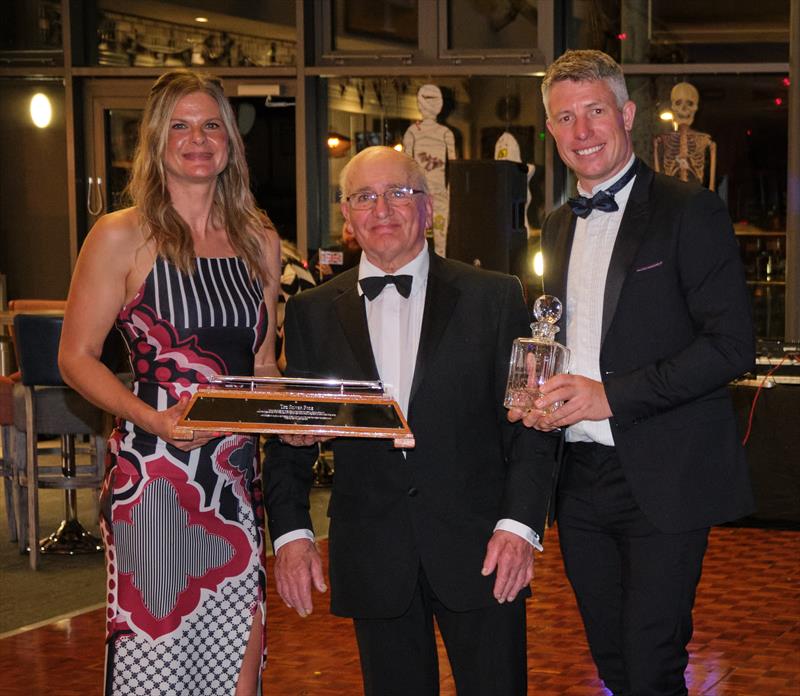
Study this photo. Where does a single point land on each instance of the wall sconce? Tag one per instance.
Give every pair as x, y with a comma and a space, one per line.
338, 144
668, 117
538, 264
41, 110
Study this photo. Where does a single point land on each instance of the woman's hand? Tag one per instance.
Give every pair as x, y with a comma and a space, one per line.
162, 424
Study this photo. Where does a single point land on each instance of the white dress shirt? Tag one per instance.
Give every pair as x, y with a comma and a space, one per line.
592, 245
395, 323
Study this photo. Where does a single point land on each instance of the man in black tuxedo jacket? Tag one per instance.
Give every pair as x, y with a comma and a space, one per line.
445, 530
658, 322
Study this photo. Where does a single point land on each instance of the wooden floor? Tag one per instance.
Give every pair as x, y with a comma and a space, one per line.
746, 642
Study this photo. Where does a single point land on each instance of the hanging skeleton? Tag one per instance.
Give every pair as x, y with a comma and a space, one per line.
683, 152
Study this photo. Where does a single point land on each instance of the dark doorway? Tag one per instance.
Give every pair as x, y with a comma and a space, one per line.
267, 128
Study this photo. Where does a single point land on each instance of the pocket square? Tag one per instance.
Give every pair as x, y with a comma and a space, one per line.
650, 266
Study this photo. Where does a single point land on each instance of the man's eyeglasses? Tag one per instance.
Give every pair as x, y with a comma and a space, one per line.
400, 196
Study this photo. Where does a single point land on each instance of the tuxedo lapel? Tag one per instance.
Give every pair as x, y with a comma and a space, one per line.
349, 308
440, 301
556, 250
631, 232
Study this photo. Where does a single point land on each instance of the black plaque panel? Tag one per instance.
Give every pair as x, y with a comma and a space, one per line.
288, 411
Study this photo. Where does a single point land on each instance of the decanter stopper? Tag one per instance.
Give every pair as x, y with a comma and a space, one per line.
547, 310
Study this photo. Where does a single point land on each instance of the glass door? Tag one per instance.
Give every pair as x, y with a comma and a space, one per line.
121, 134
113, 109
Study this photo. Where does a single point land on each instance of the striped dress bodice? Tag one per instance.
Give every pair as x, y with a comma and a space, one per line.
183, 329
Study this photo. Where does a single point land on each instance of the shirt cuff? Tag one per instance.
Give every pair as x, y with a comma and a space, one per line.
292, 536
520, 529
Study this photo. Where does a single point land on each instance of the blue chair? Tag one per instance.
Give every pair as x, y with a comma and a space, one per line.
43, 403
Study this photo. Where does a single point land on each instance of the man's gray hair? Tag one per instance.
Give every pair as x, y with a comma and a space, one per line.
586, 66
415, 174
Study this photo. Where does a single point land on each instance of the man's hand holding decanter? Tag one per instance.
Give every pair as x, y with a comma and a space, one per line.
581, 399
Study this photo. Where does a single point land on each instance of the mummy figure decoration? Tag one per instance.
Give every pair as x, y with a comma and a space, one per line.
432, 144
684, 152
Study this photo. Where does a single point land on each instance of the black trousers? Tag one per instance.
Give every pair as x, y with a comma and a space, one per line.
635, 585
486, 648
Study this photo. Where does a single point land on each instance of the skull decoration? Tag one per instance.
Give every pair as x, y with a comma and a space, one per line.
685, 100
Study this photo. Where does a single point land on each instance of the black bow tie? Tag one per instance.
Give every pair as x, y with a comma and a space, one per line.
373, 285
602, 200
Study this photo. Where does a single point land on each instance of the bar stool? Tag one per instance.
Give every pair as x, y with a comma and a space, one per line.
44, 404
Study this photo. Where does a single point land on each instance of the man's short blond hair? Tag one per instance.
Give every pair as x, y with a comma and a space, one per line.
586, 66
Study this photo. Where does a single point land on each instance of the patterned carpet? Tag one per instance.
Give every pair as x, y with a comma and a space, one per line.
746, 642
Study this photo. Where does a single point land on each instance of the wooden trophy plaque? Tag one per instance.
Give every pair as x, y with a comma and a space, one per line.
285, 405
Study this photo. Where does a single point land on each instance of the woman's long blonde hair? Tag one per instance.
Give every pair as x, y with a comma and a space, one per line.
234, 207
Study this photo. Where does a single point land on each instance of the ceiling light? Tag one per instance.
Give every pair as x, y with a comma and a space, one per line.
202, 20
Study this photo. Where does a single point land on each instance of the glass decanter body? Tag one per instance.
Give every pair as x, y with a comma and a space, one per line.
536, 359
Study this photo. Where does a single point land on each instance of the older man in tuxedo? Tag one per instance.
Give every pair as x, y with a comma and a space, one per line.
658, 321
445, 530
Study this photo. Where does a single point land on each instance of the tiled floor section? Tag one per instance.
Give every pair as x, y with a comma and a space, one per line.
747, 637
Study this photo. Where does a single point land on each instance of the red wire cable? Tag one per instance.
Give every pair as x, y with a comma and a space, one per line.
758, 393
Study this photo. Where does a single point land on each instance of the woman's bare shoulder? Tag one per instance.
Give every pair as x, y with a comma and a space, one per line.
121, 229
118, 242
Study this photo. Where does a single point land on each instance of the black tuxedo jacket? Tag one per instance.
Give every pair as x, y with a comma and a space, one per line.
676, 329
436, 507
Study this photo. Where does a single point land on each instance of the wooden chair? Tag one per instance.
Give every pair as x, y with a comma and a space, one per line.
16, 505
7, 468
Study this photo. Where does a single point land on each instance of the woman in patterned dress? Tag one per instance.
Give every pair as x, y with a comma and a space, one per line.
189, 275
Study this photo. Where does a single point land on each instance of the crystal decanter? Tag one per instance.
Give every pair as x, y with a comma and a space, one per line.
535, 360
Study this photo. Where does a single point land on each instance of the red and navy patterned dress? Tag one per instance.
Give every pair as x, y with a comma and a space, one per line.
184, 530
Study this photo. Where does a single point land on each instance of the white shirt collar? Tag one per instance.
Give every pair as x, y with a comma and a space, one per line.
417, 268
